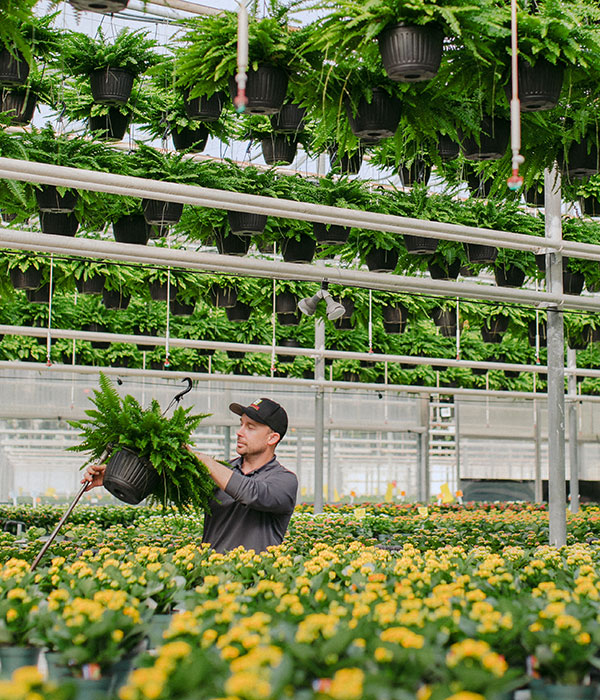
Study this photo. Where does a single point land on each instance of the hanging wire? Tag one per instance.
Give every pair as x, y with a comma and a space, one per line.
370, 320
50, 284
240, 100
273, 319
458, 328
515, 181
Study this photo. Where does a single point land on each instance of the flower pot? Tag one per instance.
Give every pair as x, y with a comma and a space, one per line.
494, 328
288, 343
533, 197
411, 53
230, 244
97, 328
129, 478
348, 164
160, 213
20, 104
542, 331
478, 187
145, 347
265, 89
420, 245
445, 320
381, 260
131, 228
481, 253
289, 319
418, 172
48, 199
41, 295
157, 625
7, 217
582, 159
115, 299
31, 278
242, 223
539, 85
348, 305
192, 140
509, 276
204, 109
302, 251
279, 149
493, 140
111, 126
448, 271
394, 318
290, 120
180, 308
91, 285
447, 148
111, 86
91, 689
330, 234
553, 691
590, 206
377, 119
14, 70
59, 224
158, 291
14, 657
286, 303
223, 297
572, 281
103, 6
239, 312
579, 340
57, 670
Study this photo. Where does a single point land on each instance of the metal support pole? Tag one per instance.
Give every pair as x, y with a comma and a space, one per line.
556, 367
331, 481
423, 466
319, 415
537, 408
227, 442
573, 434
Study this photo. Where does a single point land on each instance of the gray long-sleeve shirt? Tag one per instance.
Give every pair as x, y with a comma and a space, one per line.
253, 510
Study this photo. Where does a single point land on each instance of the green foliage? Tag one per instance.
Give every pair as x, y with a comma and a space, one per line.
120, 422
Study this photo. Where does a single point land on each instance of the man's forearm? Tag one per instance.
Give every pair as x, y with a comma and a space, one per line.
219, 472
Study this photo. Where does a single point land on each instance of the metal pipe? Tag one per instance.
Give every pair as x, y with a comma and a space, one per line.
158, 11
537, 433
184, 6
319, 414
556, 363
271, 269
31, 171
573, 436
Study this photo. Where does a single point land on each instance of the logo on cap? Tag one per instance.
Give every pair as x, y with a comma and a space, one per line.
255, 404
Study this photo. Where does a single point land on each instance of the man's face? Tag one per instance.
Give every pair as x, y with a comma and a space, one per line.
254, 438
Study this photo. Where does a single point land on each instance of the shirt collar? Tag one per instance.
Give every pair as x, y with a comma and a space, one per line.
237, 464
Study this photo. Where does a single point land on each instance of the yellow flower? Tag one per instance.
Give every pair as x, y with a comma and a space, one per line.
11, 615
347, 684
383, 655
117, 635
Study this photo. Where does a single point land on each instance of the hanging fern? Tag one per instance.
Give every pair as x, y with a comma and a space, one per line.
120, 422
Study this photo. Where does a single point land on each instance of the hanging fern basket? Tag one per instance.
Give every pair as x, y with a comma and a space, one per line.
129, 478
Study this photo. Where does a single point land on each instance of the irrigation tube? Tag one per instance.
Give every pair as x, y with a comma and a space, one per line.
270, 269
41, 332
44, 173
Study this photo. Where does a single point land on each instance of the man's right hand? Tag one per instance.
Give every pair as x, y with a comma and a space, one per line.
94, 475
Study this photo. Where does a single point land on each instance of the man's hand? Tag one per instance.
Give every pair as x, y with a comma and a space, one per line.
94, 474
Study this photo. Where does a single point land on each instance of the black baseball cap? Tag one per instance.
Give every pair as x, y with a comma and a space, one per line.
264, 411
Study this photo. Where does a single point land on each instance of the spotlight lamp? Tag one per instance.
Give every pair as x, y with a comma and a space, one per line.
308, 305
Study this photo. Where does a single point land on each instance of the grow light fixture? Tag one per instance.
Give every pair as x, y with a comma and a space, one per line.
308, 305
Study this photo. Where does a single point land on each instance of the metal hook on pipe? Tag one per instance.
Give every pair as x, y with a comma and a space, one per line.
177, 398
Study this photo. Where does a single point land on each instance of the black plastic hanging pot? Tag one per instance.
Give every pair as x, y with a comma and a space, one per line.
286, 303
192, 140
31, 278
49, 199
129, 478
448, 271
145, 347
158, 291
289, 319
420, 245
534, 197
223, 297
111, 126
542, 332
41, 295
204, 109
115, 299
14, 70
159, 213
377, 119
539, 85
91, 285
230, 244
447, 148
494, 328
289, 120
418, 172
97, 328
265, 89
509, 276
582, 160
111, 86
288, 343
180, 308
478, 187
445, 320
572, 281
493, 140
58, 224
347, 164
102, 6
579, 340
131, 228
19, 103
7, 217
381, 260
330, 234
411, 53
477, 253
239, 312
242, 223
302, 251
279, 149
394, 318
590, 206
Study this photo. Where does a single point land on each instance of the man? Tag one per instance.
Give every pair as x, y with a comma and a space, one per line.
255, 499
